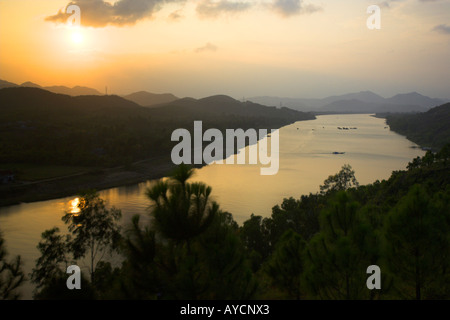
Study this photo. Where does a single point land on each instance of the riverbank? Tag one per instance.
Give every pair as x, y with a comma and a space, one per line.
23, 191
430, 133
99, 179
95, 178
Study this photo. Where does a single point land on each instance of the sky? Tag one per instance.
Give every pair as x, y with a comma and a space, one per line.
241, 48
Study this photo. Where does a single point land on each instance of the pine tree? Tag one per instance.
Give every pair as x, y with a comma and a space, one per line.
11, 274
286, 265
338, 256
418, 244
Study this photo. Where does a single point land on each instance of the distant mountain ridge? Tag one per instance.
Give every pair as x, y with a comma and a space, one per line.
148, 99
356, 102
225, 106
75, 91
31, 98
364, 102
142, 98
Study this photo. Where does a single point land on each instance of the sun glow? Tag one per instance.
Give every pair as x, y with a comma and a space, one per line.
77, 37
74, 208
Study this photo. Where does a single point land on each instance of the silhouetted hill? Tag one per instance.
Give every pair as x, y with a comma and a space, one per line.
222, 105
41, 127
147, 99
7, 84
30, 84
75, 91
28, 103
428, 129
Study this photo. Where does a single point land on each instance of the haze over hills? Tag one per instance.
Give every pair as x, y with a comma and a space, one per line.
222, 105
75, 91
364, 102
29, 104
7, 84
143, 98
356, 102
148, 99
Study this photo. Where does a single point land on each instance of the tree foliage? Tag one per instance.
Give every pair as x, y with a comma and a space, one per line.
181, 210
286, 266
340, 253
316, 247
94, 228
54, 258
342, 180
11, 274
418, 246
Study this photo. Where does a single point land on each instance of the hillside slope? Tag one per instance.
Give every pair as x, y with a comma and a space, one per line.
147, 99
428, 129
40, 127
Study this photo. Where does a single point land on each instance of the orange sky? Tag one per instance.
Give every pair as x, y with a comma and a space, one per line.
240, 48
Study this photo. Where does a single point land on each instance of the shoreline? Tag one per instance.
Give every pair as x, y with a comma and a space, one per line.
98, 179
48, 189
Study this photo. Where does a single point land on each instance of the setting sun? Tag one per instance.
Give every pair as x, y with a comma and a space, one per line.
77, 37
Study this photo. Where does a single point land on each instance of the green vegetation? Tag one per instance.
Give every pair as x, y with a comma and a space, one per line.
33, 172
11, 274
316, 247
429, 129
94, 229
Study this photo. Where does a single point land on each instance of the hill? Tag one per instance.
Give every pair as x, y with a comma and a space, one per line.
57, 144
75, 91
210, 108
415, 98
147, 99
429, 129
363, 96
7, 84
42, 127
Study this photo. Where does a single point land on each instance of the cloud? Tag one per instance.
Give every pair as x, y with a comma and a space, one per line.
287, 8
176, 15
99, 13
207, 47
442, 28
212, 9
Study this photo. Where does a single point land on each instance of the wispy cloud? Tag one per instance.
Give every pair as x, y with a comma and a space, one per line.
287, 8
212, 9
207, 47
176, 15
442, 28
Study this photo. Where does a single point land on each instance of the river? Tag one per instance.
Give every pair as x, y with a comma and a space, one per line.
306, 159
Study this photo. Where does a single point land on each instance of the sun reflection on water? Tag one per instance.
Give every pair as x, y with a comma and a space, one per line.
74, 205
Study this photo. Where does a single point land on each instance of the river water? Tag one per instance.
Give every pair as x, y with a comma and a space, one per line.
306, 159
